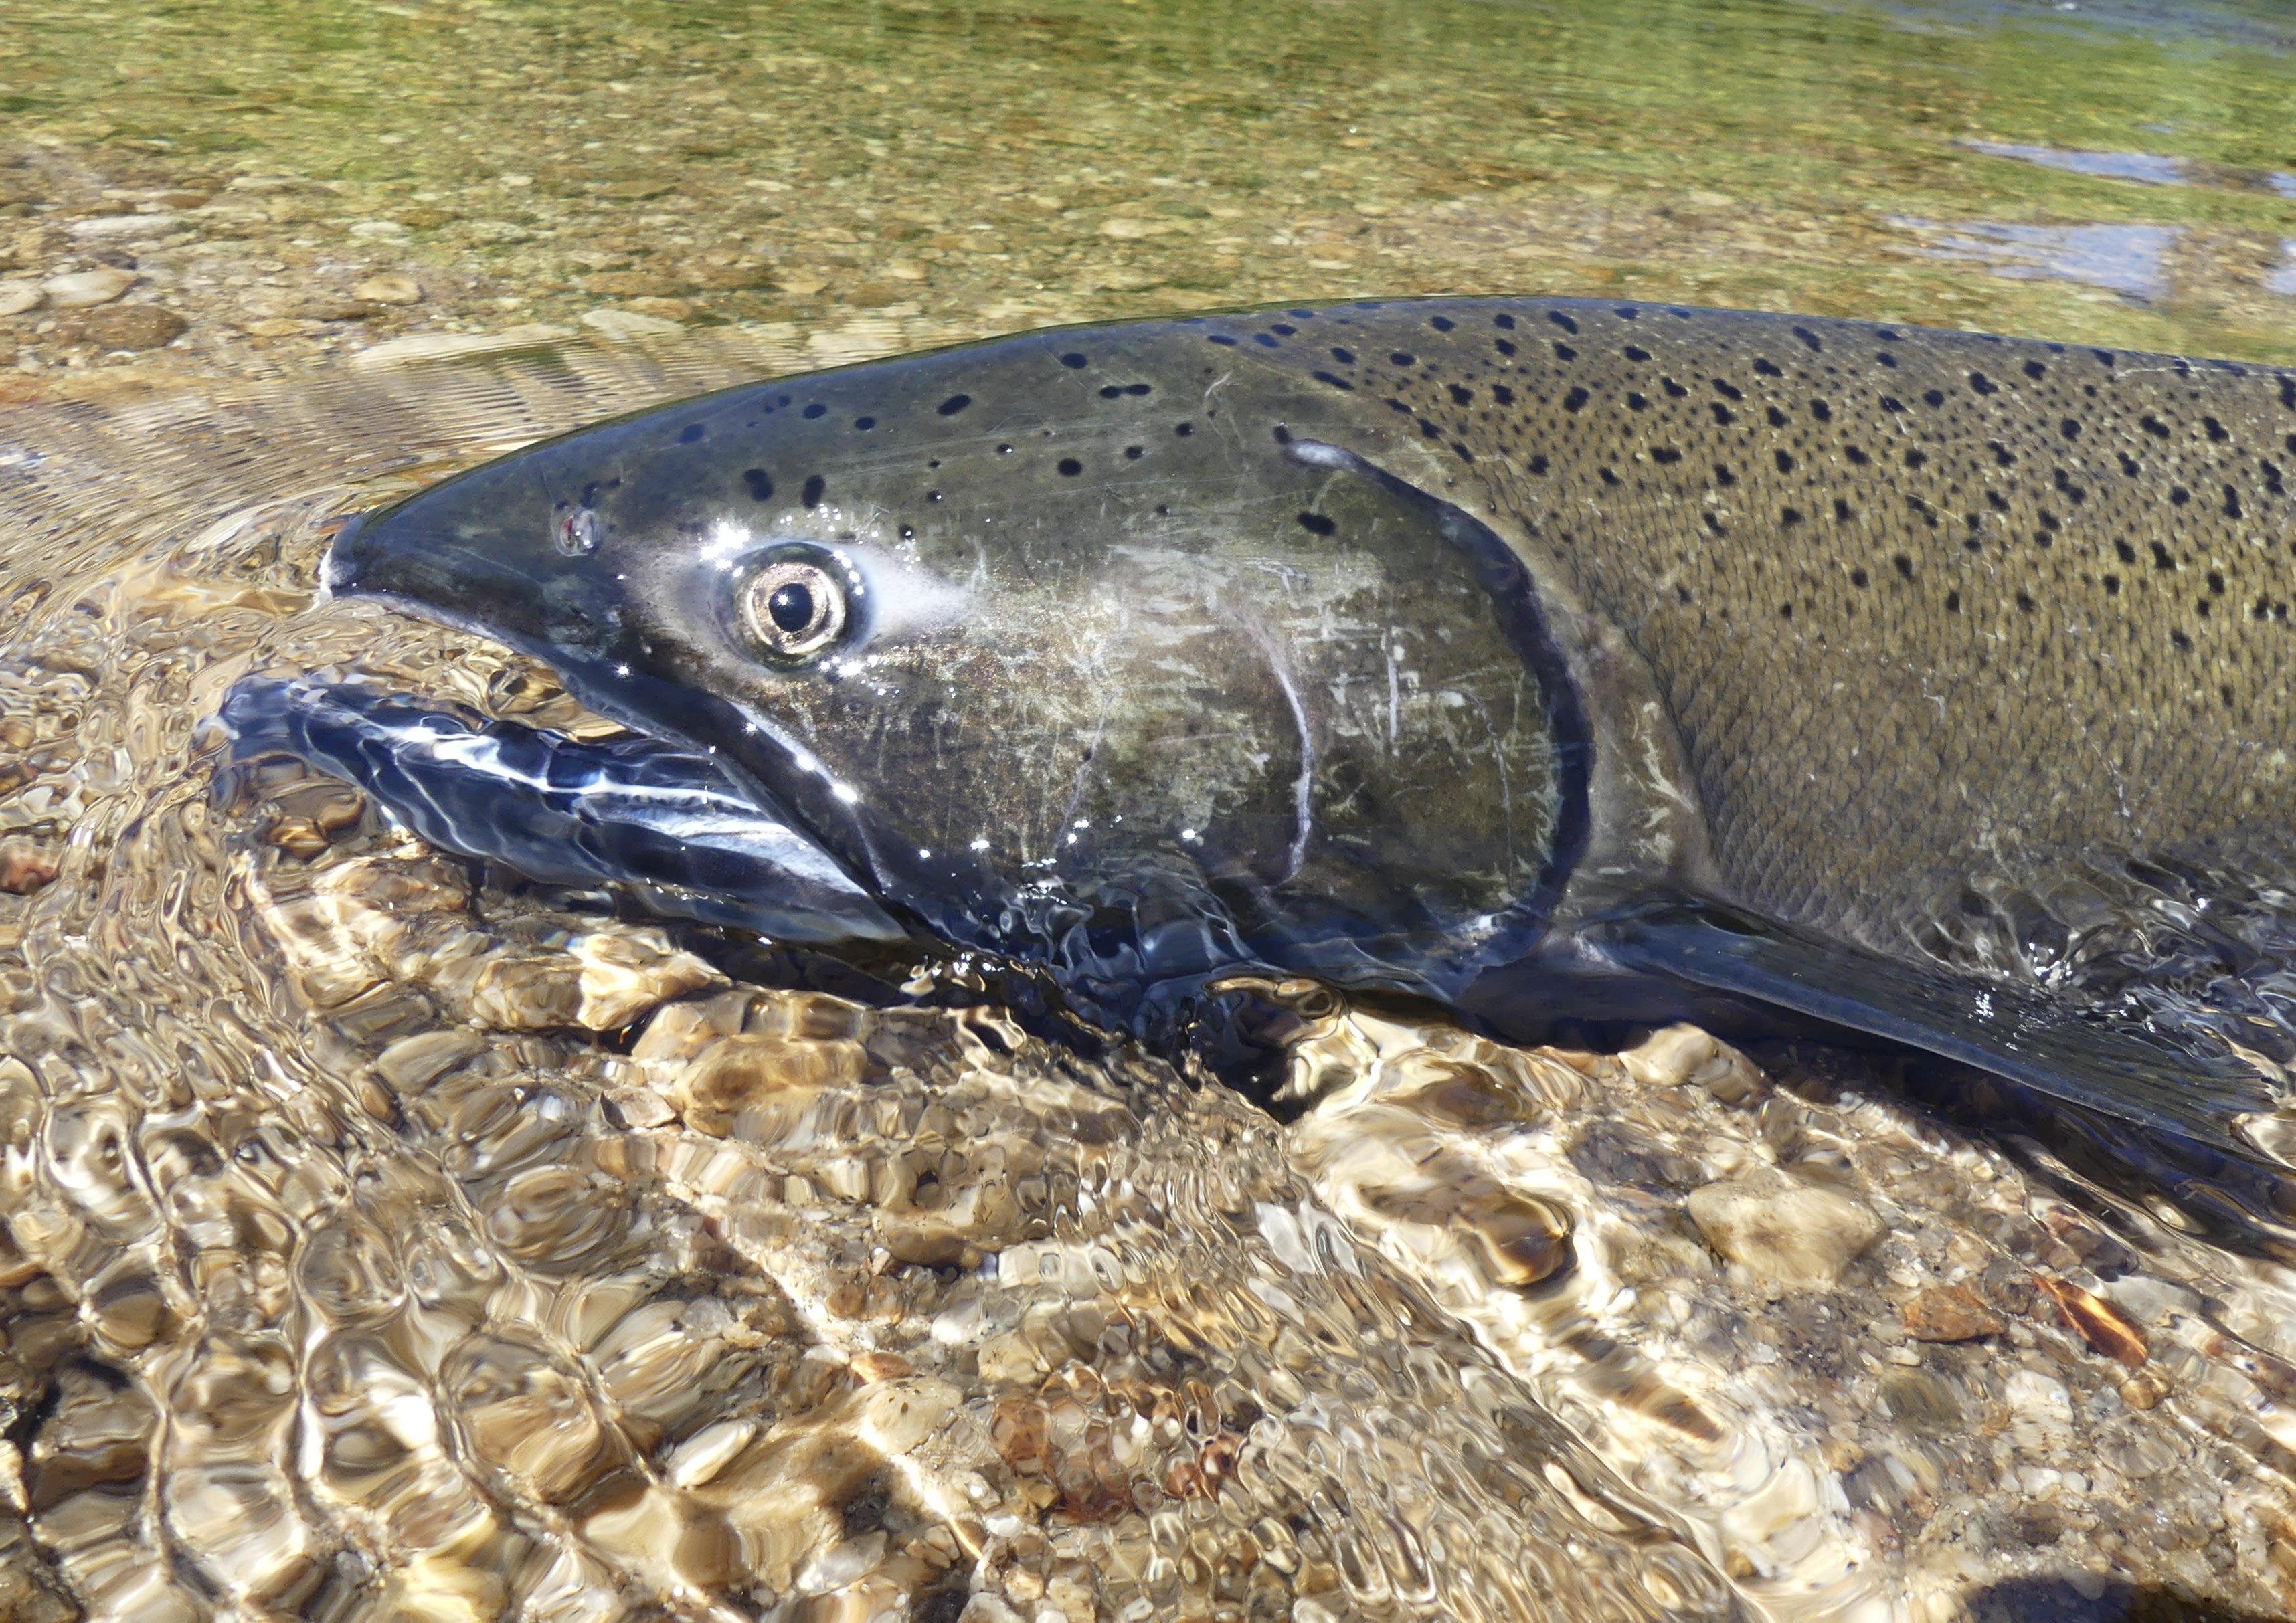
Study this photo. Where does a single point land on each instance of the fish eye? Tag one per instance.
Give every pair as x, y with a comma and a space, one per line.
794, 608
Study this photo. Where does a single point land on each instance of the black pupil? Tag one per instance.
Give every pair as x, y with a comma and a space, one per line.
791, 607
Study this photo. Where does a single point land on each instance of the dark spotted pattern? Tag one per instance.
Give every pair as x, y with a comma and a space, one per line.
1889, 579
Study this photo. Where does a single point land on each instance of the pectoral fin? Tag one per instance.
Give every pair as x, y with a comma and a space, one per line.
2088, 1059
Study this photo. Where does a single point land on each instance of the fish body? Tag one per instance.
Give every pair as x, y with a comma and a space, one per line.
1933, 683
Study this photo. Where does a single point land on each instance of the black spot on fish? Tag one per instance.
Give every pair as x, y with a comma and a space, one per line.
1905, 566
2179, 496
1777, 418
1858, 577
1441, 324
1505, 345
1677, 392
691, 432
1504, 321
2154, 426
1281, 330
1857, 457
1982, 384
1282, 435
2288, 393
1564, 352
2128, 553
1722, 415
1768, 369
1562, 320
2025, 602
1636, 403
1537, 465
1219, 338
1933, 397
1785, 461
1636, 352
1666, 455
1608, 477
2181, 640
2218, 432
2215, 583
2035, 370
953, 405
1184, 429
1501, 393
1345, 357
1916, 459
1460, 395
1820, 410
1004, 450
1401, 359
1714, 524
1886, 358
1841, 510
2002, 453
1075, 362
1807, 337
1626, 312
1722, 476
2161, 559
2070, 428
2232, 503
1317, 524
1575, 399
1726, 389
1069, 467
1336, 383
1952, 603
1263, 338
865, 423
2113, 586
1788, 517
1786, 611
814, 485
1135, 453
1890, 403
762, 488
815, 410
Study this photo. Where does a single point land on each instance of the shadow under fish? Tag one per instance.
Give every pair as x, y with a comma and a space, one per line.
1534, 655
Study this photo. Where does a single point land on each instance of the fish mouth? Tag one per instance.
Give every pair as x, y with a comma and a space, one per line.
664, 815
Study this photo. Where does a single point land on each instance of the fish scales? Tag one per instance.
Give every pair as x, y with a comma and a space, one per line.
1987, 603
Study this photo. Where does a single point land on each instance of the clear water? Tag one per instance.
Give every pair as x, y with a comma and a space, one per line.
383, 1242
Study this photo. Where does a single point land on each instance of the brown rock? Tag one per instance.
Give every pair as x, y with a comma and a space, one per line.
2103, 1326
392, 287
25, 866
870, 1368
1949, 1313
127, 326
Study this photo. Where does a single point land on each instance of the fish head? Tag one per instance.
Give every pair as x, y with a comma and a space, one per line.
1103, 648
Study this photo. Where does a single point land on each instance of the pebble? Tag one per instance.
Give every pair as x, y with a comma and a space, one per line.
25, 866
1795, 1237
111, 227
17, 296
1949, 1313
391, 287
78, 289
129, 327
627, 323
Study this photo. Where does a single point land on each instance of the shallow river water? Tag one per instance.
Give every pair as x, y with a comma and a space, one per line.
386, 1238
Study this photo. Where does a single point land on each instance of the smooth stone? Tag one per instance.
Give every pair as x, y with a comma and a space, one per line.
16, 297
390, 288
79, 290
627, 324
1792, 1236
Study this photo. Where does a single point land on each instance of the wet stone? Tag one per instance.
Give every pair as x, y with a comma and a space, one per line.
1949, 1313
1799, 1238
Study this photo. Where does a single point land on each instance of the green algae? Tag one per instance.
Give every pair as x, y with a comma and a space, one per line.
1070, 159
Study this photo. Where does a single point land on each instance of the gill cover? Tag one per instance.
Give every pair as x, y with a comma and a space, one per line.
1101, 659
